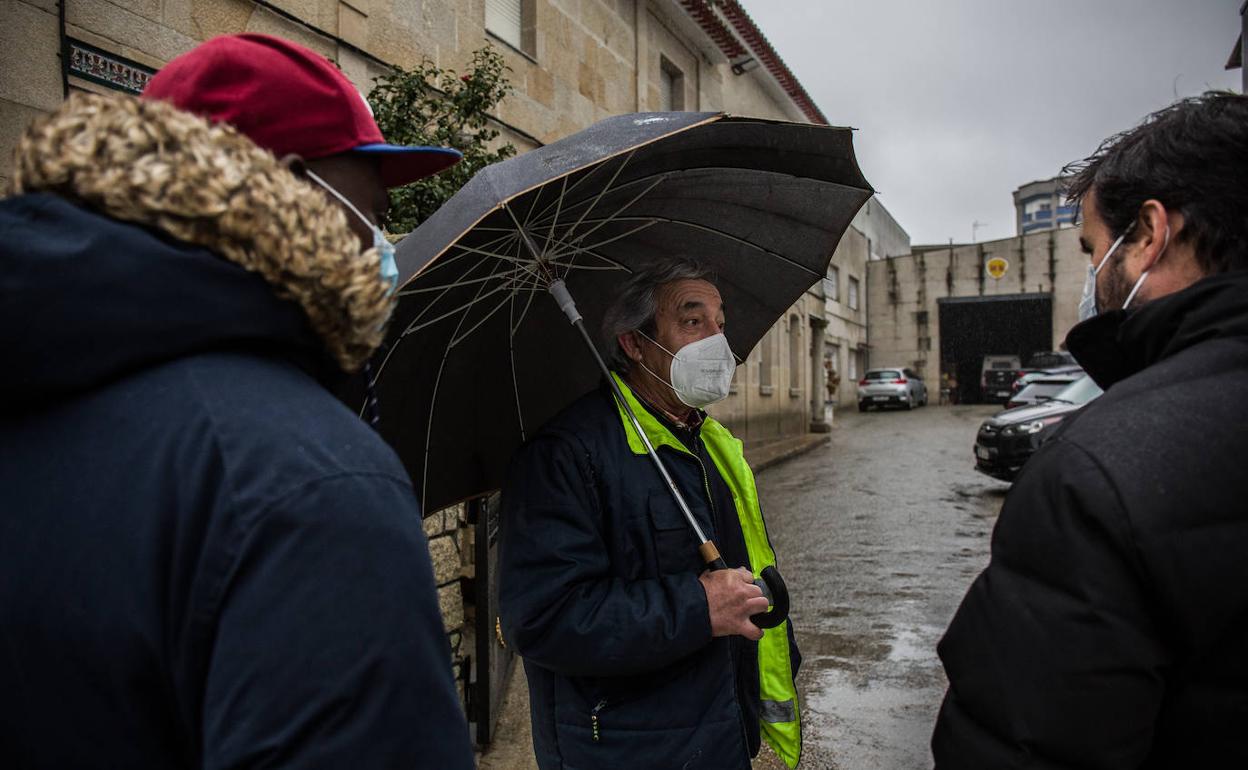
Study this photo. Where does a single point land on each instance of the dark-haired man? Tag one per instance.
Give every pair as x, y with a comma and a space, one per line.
1109, 629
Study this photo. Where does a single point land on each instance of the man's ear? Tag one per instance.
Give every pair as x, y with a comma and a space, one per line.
628, 342
1156, 231
295, 164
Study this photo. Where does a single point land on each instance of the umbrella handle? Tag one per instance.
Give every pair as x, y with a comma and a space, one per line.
777, 594
769, 582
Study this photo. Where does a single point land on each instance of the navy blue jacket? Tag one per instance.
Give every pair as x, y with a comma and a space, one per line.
205, 559
599, 594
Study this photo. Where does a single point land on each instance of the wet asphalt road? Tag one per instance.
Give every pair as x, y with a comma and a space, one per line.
878, 534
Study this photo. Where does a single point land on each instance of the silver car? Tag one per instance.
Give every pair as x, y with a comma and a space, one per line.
894, 386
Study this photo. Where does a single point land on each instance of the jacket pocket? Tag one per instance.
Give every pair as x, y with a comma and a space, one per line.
675, 544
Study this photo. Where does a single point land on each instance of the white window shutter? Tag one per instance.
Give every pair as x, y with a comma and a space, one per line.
502, 17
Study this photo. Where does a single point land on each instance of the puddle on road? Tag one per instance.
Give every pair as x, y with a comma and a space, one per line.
834, 650
871, 701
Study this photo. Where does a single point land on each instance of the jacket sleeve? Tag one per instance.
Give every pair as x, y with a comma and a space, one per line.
330, 650
561, 604
1054, 658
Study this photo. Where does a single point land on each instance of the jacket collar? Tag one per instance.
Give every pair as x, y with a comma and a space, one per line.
1116, 345
206, 185
655, 430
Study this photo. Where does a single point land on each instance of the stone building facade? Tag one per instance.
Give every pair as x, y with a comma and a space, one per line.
990, 281
873, 235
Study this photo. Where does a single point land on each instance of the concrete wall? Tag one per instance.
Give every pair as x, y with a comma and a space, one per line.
903, 289
886, 236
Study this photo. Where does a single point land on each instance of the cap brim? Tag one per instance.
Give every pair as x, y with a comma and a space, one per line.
404, 165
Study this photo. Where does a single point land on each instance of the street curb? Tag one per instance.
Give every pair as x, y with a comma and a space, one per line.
767, 457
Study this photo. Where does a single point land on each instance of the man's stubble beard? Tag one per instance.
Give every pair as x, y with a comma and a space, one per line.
1114, 287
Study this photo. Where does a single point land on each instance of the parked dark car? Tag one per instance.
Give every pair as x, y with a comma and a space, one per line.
1052, 360
996, 376
1007, 439
1041, 364
1042, 387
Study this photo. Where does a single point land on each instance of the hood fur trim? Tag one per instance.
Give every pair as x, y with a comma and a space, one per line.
208, 185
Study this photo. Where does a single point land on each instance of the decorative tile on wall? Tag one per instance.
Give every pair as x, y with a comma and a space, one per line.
107, 69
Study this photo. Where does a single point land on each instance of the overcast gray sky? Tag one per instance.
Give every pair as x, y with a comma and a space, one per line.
959, 102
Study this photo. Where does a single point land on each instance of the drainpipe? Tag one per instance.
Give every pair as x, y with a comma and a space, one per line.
60, 12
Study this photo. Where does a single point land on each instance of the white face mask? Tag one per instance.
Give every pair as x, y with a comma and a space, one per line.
383, 247
701, 371
1087, 303
1140, 281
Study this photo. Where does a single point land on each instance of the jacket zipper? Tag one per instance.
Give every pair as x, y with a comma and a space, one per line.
594, 721
706, 486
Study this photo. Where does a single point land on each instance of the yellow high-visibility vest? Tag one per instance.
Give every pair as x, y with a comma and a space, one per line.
779, 720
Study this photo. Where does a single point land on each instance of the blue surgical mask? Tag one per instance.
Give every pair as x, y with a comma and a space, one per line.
383, 247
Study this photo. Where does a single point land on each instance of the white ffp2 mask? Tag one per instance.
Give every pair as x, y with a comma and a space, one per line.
701, 372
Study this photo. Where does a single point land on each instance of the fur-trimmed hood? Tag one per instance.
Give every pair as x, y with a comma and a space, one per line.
191, 186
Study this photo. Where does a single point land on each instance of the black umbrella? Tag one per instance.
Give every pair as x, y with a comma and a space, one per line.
479, 357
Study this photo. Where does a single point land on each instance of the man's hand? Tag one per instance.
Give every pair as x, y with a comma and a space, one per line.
732, 598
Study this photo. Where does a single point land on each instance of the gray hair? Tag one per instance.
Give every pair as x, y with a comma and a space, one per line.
635, 306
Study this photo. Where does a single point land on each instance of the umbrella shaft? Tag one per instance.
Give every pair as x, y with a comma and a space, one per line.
654, 455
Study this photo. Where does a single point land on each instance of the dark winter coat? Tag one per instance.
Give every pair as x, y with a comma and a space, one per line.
1110, 629
206, 561
599, 593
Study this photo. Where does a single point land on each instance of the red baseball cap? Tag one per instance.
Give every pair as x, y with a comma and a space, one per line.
288, 100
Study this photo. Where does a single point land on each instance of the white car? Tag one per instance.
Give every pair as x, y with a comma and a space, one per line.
893, 386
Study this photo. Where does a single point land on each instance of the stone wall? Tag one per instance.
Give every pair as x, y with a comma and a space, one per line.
450, 548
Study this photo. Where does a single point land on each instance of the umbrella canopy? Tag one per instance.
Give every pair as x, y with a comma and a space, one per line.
479, 356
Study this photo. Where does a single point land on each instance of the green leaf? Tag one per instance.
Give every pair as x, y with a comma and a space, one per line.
428, 105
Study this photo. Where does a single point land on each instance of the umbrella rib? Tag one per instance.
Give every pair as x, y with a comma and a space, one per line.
511, 353
514, 272
589, 172
529, 216
532, 247
433, 399
415, 327
603, 192
444, 261
602, 223
550, 233
447, 288
577, 249
523, 313
428, 306
478, 324
591, 202
722, 234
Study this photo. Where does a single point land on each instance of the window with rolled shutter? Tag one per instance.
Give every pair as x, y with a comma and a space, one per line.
671, 86
502, 18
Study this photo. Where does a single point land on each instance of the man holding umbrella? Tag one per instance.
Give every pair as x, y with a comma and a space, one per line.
635, 656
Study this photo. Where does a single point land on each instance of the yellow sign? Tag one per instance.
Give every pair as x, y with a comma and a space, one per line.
997, 267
